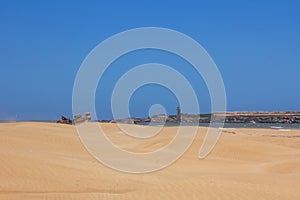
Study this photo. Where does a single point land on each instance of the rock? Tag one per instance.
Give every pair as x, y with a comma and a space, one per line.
64, 120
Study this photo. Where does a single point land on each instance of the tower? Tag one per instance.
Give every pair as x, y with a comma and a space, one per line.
178, 114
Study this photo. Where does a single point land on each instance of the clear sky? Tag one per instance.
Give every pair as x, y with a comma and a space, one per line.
255, 44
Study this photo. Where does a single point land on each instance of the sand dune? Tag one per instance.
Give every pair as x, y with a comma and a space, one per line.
48, 161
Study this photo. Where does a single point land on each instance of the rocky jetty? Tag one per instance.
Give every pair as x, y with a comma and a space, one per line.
262, 117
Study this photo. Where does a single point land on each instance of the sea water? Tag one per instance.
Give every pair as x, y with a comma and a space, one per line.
280, 126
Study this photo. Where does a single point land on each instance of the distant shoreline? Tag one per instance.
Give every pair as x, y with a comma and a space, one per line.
287, 117
275, 117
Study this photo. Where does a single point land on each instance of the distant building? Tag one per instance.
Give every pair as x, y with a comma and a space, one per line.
79, 118
178, 114
88, 116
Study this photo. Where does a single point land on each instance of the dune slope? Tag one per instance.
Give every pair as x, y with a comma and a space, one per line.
48, 161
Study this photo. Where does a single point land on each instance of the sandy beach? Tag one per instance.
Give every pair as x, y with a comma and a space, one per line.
48, 161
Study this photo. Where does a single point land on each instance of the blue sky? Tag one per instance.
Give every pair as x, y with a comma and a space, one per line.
255, 44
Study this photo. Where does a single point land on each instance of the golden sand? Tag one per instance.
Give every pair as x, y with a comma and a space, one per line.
48, 161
